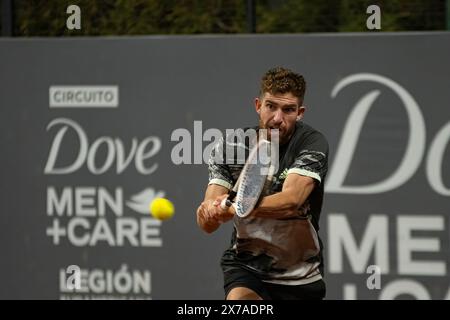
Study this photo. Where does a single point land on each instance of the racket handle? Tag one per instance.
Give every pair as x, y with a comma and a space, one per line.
225, 204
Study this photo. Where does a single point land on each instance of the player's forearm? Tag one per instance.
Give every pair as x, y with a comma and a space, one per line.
213, 191
285, 204
279, 205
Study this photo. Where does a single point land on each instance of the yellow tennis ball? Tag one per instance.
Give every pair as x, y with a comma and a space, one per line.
162, 209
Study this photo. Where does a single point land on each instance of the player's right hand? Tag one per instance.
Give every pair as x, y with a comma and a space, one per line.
212, 211
206, 220
223, 214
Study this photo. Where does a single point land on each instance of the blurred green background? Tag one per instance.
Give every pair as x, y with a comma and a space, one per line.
148, 17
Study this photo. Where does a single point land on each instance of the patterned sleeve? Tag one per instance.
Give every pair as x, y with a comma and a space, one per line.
219, 172
312, 159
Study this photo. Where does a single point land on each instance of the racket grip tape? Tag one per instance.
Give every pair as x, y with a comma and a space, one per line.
226, 203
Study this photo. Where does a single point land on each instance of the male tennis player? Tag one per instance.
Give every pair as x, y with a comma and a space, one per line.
275, 252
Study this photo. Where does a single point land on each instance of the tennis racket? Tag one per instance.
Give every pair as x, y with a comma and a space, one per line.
253, 181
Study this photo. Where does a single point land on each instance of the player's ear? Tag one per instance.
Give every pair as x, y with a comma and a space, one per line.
300, 112
258, 104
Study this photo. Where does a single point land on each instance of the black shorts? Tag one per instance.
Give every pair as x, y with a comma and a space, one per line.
239, 277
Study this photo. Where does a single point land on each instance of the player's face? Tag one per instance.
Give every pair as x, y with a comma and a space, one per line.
279, 111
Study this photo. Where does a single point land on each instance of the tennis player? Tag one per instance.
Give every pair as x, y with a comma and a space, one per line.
275, 252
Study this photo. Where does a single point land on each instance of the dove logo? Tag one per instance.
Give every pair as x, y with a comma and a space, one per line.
415, 149
140, 152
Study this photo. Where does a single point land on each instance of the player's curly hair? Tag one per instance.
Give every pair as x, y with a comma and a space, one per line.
282, 80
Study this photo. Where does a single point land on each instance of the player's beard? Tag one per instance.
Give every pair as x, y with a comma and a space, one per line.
282, 134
